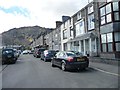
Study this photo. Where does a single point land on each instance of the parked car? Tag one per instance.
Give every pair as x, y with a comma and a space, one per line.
16, 54
27, 52
8, 56
77, 53
31, 52
47, 55
69, 60
37, 52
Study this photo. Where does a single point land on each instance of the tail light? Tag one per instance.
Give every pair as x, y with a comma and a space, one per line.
70, 59
38, 52
45, 53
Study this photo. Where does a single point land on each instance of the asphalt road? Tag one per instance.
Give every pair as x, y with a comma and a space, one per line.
31, 72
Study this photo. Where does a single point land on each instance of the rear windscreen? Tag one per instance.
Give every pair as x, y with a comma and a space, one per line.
41, 50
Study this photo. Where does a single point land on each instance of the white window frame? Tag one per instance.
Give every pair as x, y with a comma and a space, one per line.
91, 23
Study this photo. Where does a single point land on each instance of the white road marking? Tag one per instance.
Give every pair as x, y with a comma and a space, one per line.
3, 67
106, 71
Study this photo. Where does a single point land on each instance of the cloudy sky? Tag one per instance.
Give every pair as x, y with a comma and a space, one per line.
44, 13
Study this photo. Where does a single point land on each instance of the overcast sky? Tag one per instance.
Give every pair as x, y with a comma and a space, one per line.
44, 13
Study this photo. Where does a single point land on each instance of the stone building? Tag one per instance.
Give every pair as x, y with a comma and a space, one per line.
79, 33
109, 15
53, 39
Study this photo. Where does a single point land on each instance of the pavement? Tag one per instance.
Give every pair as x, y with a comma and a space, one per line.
106, 68
110, 66
115, 62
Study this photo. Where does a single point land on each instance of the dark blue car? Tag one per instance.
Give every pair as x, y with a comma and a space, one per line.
8, 56
70, 60
48, 55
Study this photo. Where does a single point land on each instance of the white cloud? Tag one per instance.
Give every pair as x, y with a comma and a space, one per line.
42, 12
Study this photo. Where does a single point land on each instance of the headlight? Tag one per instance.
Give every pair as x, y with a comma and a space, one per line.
6, 51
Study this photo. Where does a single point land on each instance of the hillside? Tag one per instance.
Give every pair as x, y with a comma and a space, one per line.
23, 35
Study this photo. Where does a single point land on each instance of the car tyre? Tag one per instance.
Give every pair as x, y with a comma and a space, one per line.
45, 60
13, 62
3, 62
63, 67
52, 64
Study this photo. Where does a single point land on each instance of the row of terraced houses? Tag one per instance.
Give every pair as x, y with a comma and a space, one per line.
93, 30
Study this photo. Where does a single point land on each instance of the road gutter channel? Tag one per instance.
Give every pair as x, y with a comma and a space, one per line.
105, 71
3, 68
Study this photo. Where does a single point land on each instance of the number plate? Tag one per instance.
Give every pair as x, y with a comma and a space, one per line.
9, 56
80, 59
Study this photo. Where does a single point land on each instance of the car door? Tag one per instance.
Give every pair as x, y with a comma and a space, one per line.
61, 57
55, 59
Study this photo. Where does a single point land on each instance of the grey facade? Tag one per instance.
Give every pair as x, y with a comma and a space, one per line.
93, 30
41, 40
85, 27
53, 39
109, 29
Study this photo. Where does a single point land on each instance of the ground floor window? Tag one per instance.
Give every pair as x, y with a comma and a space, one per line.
117, 40
65, 46
76, 45
107, 42
117, 46
110, 42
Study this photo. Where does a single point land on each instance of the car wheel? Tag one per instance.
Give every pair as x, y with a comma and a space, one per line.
3, 62
45, 60
63, 67
13, 62
52, 64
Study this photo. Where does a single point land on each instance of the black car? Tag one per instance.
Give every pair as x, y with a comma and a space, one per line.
8, 56
48, 55
69, 60
37, 52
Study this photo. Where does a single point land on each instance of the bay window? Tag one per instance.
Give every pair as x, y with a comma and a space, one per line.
117, 46
107, 42
116, 13
108, 18
115, 6
103, 37
102, 20
102, 11
104, 41
117, 40
80, 28
116, 16
108, 8
105, 14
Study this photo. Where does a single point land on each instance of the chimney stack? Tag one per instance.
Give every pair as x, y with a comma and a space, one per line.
58, 23
65, 18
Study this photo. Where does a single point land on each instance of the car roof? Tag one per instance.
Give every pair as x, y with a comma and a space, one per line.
65, 51
8, 49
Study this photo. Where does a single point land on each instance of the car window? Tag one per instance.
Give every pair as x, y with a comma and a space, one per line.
7, 51
70, 54
41, 50
57, 55
61, 54
51, 52
79, 53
